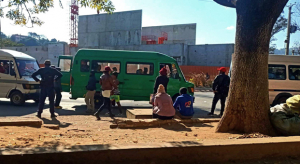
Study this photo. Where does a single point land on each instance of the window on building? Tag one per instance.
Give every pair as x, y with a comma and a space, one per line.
65, 65
140, 68
36, 49
277, 72
294, 72
26, 49
85, 66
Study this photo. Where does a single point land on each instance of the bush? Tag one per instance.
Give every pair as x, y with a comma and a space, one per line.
200, 80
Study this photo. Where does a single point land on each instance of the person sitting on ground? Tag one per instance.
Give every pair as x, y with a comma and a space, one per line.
163, 105
184, 105
115, 95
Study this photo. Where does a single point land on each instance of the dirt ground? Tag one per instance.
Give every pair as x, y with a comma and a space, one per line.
85, 130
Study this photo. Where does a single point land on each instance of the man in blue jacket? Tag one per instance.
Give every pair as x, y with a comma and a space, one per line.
184, 105
48, 76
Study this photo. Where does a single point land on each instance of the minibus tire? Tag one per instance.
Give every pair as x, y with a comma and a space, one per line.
17, 98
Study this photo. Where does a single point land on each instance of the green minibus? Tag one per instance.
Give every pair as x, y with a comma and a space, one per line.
137, 73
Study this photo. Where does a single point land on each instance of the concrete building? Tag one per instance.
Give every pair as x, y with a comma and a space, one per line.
124, 31
183, 33
117, 29
18, 38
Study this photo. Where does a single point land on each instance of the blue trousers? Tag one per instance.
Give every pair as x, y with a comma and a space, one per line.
46, 92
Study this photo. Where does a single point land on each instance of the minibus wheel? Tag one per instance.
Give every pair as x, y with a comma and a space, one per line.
17, 98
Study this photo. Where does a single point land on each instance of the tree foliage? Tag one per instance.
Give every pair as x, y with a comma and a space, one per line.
6, 42
25, 12
280, 25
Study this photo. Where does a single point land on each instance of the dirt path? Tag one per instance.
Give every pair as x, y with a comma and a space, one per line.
85, 130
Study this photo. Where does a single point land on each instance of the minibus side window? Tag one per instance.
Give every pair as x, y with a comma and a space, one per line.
85, 66
65, 65
4, 66
140, 68
294, 72
171, 70
99, 66
277, 72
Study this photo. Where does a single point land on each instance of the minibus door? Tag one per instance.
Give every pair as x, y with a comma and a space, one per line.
138, 80
65, 64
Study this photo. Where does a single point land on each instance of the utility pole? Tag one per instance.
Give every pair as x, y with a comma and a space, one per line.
0, 28
287, 41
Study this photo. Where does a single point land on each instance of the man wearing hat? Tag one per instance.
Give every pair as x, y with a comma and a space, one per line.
48, 76
107, 85
220, 88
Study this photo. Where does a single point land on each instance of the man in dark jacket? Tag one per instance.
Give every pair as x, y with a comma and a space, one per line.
58, 89
220, 88
162, 79
48, 76
91, 90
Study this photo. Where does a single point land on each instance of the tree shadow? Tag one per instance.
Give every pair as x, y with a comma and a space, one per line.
55, 121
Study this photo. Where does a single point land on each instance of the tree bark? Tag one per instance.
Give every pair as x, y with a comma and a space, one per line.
247, 108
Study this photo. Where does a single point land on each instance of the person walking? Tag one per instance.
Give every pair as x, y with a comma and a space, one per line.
48, 75
220, 89
162, 79
106, 81
91, 90
58, 90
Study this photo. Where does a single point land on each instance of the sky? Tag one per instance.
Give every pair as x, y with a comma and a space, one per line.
215, 23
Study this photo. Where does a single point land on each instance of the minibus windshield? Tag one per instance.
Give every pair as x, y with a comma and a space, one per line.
27, 67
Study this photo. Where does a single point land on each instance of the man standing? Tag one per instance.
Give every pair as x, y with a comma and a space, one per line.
220, 88
48, 76
107, 84
58, 89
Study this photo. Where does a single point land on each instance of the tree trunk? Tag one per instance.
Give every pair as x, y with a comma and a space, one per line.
247, 108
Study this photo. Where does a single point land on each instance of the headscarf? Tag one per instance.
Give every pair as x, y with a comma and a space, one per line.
163, 71
161, 89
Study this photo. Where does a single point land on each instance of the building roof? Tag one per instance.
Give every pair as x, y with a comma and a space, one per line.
15, 54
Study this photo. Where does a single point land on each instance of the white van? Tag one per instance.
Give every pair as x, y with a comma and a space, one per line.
16, 83
284, 78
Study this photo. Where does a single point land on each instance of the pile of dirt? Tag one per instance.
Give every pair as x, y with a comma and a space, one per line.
252, 135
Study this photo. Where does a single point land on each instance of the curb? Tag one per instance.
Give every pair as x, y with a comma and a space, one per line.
173, 152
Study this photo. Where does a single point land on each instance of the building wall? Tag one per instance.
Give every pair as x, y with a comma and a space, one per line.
117, 29
218, 55
210, 55
174, 50
184, 33
42, 53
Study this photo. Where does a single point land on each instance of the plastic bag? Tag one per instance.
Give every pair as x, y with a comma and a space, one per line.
294, 103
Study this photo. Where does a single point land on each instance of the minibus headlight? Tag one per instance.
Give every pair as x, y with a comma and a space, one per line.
191, 89
31, 86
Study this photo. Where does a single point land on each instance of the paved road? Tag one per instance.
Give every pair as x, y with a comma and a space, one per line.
77, 107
